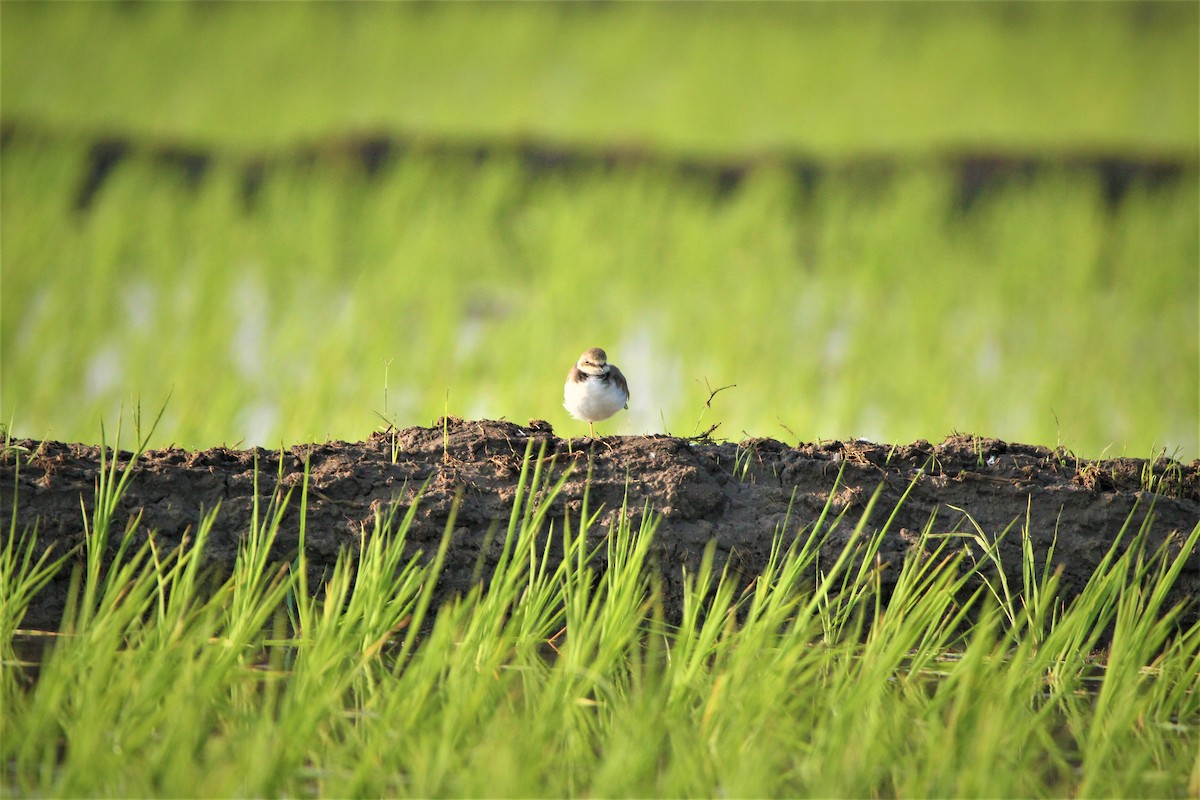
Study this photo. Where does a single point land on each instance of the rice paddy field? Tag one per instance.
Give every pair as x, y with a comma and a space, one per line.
295, 222
786, 210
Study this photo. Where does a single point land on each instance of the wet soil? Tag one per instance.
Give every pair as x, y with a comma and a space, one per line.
976, 173
736, 496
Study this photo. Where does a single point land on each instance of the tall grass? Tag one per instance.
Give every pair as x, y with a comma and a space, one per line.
563, 676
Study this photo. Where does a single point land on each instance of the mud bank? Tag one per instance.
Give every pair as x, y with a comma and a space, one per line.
736, 495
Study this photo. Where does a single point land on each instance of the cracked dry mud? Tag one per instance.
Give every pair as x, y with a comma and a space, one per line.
735, 495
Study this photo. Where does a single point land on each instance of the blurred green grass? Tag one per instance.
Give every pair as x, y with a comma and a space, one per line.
868, 304
849, 311
830, 79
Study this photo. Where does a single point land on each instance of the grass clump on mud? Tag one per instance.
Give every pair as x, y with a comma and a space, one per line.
563, 675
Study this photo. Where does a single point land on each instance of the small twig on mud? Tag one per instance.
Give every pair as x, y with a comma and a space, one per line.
707, 405
705, 436
713, 392
446, 427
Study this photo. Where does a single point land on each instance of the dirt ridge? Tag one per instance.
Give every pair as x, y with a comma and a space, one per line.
735, 495
977, 170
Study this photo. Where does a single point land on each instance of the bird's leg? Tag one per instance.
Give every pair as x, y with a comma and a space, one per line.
591, 430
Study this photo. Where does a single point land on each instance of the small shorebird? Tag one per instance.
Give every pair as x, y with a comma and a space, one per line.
595, 389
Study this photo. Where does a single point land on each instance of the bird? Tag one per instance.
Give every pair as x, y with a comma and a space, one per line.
595, 389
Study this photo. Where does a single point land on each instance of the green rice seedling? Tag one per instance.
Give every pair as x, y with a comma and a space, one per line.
1142, 629
837, 586
101, 686
741, 462
1018, 608
1162, 475
178, 578
603, 613
255, 583
481, 651
24, 570
382, 592
111, 482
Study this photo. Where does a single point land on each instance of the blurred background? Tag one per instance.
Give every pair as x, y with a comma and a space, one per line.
887, 220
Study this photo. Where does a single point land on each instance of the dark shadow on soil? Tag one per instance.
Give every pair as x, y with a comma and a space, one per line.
735, 495
978, 173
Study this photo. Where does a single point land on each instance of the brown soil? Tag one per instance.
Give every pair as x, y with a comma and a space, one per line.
736, 495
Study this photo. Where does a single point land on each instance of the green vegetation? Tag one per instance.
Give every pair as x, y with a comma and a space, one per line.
830, 79
562, 680
855, 309
865, 304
